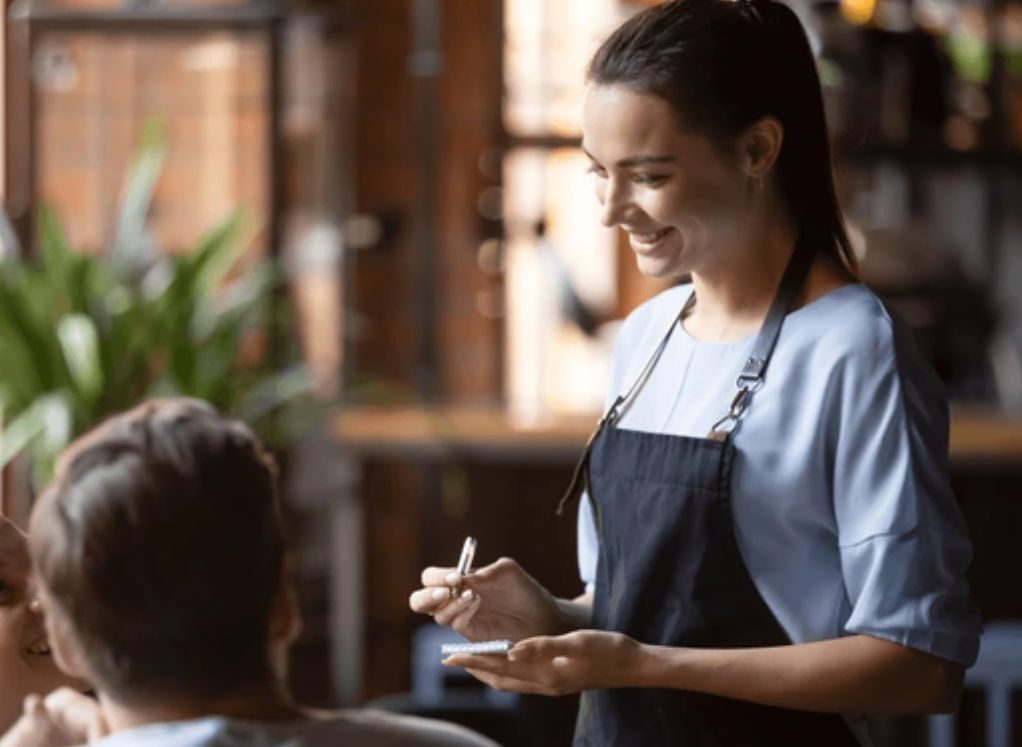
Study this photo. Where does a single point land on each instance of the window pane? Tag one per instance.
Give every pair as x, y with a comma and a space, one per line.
547, 48
96, 93
556, 246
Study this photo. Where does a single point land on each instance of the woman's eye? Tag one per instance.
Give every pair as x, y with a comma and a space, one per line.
649, 180
598, 170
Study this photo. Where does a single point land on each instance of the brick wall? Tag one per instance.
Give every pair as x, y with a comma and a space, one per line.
468, 342
207, 89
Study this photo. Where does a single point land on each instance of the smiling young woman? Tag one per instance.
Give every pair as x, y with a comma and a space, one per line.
767, 536
26, 666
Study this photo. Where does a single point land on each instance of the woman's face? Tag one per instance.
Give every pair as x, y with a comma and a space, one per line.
682, 202
25, 662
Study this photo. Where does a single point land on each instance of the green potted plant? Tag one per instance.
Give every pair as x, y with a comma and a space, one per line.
83, 336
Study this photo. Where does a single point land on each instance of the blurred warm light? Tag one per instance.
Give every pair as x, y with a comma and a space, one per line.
547, 47
553, 367
554, 237
858, 12
313, 254
961, 134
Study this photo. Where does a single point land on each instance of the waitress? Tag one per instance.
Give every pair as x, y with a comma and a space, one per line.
767, 535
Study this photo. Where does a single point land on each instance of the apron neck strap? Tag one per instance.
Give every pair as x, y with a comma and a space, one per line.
791, 283
751, 377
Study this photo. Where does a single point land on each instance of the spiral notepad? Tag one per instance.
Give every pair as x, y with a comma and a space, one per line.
482, 647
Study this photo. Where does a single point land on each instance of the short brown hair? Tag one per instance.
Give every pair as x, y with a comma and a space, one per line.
160, 541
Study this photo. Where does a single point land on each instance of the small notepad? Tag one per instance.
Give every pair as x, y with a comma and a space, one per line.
482, 647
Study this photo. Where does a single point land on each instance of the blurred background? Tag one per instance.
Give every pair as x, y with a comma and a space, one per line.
365, 226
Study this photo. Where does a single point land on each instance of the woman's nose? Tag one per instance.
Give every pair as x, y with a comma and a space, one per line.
613, 202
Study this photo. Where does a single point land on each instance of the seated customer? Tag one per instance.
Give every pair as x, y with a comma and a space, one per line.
25, 663
160, 560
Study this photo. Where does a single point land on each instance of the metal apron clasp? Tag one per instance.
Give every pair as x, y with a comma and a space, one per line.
726, 425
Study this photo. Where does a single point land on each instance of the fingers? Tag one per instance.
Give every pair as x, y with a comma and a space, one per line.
463, 619
429, 601
499, 567
480, 662
438, 576
456, 608
544, 647
33, 729
33, 706
510, 684
434, 576
439, 595
77, 715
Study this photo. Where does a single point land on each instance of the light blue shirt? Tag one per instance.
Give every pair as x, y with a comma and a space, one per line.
356, 727
842, 507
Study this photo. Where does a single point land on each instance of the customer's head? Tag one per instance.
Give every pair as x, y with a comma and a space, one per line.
26, 666
159, 554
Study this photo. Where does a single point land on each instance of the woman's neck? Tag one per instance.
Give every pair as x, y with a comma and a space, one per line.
733, 297
266, 702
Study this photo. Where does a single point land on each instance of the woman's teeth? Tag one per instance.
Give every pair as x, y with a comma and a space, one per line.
39, 648
651, 237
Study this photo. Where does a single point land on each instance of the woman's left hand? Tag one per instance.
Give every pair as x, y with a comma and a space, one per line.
557, 665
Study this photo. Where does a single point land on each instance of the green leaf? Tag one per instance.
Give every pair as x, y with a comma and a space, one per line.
131, 239
217, 253
79, 342
44, 430
53, 246
26, 332
19, 433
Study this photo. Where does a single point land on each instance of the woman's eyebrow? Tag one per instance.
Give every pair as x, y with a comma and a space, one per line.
641, 159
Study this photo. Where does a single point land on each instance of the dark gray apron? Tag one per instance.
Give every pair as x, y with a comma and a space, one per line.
670, 572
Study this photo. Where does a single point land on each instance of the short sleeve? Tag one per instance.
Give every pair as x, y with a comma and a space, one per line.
903, 543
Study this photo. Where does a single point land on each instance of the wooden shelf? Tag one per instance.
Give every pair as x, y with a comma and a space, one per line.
435, 432
421, 432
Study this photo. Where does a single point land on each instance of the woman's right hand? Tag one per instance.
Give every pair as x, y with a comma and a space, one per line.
494, 602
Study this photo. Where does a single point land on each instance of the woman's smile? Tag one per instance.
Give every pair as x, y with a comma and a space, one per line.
648, 241
676, 194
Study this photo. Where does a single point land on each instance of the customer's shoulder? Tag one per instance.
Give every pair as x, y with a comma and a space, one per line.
355, 727
385, 729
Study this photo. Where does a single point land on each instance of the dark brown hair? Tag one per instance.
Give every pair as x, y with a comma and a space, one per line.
161, 544
722, 66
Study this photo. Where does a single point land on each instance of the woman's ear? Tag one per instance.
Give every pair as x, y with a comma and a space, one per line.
759, 146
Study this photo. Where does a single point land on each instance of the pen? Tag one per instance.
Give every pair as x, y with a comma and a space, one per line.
468, 553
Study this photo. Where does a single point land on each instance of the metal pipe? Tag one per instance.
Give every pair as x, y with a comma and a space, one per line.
426, 66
